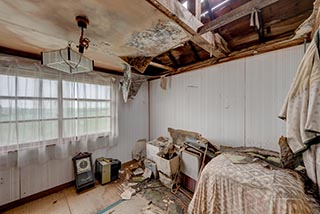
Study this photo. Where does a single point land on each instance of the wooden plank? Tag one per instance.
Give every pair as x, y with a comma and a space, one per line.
235, 14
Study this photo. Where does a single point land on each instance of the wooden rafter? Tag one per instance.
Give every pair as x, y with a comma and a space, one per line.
173, 59
235, 14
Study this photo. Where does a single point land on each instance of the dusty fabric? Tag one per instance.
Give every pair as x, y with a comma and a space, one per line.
288, 159
301, 110
225, 187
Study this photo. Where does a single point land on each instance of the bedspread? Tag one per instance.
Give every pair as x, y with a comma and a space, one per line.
226, 187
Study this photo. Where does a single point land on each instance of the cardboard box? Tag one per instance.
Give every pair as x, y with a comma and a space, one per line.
168, 167
152, 149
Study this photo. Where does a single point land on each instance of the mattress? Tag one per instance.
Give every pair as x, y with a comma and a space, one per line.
227, 185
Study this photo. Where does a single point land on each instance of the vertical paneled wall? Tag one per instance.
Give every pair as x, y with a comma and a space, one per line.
234, 103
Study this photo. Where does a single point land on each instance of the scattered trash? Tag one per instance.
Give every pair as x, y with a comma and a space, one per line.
138, 171
137, 179
127, 194
147, 173
132, 184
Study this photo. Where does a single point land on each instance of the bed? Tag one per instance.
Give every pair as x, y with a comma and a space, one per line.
234, 184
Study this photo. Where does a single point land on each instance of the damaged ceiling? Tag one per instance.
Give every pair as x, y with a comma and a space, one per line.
155, 37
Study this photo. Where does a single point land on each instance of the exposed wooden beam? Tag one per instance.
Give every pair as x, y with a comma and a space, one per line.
173, 59
165, 67
235, 14
195, 8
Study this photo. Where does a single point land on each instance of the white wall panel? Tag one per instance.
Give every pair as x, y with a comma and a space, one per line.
209, 102
9, 185
268, 80
133, 124
234, 103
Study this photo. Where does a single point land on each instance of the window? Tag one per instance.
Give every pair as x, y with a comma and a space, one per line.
86, 108
33, 109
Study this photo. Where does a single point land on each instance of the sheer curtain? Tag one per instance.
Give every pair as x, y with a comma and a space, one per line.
46, 114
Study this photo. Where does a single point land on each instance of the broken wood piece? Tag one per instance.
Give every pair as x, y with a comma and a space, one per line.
235, 14
165, 67
179, 136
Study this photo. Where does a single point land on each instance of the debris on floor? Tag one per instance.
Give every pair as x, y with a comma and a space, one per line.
127, 194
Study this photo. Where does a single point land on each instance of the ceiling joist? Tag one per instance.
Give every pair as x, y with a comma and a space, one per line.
235, 14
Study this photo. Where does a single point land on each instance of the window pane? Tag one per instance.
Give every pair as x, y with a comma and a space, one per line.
86, 91
8, 134
49, 109
28, 87
104, 92
93, 126
7, 110
28, 109
70, 109
28, 132
49, 88
93, 109
104, 125
69, 128
69, 89
7, 85
49, 130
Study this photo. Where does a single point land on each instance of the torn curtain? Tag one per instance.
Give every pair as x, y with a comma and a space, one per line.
301, 111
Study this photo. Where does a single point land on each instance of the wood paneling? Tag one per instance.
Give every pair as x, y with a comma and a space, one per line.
234, 103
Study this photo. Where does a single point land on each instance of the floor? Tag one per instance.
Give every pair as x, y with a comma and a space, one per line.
70, 202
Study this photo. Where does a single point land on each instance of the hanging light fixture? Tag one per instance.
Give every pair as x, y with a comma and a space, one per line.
67, 59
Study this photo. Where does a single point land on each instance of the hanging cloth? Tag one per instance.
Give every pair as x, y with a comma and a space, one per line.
301, 111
